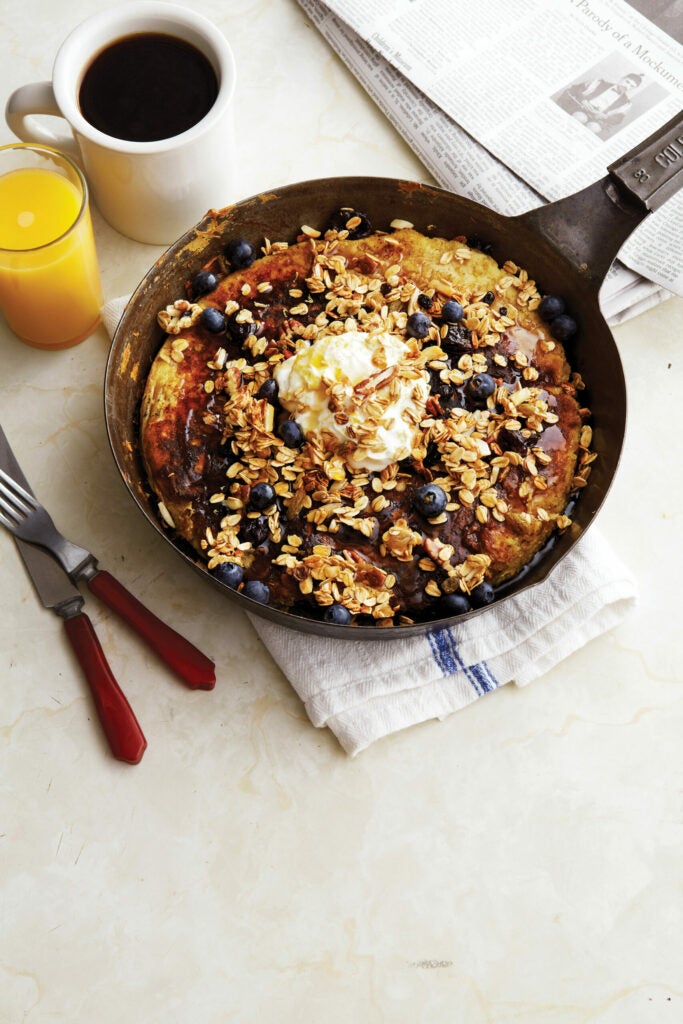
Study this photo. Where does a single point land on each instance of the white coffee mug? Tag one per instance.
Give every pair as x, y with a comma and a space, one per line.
150, 191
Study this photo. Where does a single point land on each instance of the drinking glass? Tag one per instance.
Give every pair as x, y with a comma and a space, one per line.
50, 290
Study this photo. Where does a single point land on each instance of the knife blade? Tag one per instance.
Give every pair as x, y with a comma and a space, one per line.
50, 582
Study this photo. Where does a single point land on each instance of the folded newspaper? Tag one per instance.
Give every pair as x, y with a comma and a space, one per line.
516, 104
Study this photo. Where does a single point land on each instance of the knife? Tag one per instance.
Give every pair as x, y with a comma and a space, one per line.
55, 590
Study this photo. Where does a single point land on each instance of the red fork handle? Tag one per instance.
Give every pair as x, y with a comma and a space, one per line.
193, 667
121, 727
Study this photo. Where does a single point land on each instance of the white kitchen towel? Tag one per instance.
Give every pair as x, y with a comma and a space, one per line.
363, 691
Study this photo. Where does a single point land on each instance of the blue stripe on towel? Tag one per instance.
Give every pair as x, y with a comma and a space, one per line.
442, 653
447, 657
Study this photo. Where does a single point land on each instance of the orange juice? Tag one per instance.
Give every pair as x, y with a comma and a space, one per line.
36, 207
49, 283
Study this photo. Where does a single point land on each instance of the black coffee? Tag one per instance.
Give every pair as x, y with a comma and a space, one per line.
147, 86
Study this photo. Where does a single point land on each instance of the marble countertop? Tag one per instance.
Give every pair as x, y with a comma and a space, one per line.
520, 862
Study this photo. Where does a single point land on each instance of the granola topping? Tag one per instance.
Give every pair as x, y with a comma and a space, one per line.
320, 388
178, 316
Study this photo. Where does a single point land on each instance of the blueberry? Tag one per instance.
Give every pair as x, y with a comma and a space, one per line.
451, 312
425, 301
261, 496
257, 591
418, 325
203, 282
213, 320
550, 307
341, 217
456, 336
338, 614
240, 253
229, 573
563, 327
482, 595
430, 500
291, 433
481, 386
255, 530
269, 390
240, 330
488, 298
455, 604
503, 311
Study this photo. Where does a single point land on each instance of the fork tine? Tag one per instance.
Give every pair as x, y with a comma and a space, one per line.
11, 514
16, 494
8, 523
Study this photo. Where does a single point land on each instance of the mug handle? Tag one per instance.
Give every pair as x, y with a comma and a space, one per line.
38, 98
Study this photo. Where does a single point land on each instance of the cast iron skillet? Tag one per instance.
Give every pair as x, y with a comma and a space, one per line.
566, 246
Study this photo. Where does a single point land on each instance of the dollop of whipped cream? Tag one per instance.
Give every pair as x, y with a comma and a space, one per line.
344, 384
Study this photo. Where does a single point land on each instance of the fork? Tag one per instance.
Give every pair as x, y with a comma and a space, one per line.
26, 518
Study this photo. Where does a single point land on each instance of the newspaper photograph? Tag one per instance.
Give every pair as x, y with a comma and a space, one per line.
568, 87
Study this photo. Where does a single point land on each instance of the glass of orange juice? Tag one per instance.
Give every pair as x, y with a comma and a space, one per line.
50, 290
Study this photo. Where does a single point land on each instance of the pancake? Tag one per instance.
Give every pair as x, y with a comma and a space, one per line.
389, 399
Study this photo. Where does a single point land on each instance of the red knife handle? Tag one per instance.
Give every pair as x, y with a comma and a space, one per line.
121, 727
193, 667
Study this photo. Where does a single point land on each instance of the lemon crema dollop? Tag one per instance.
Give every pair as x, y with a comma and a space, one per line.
366, 390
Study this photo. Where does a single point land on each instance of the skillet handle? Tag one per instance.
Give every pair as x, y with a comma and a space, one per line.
653, 171
589, 228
